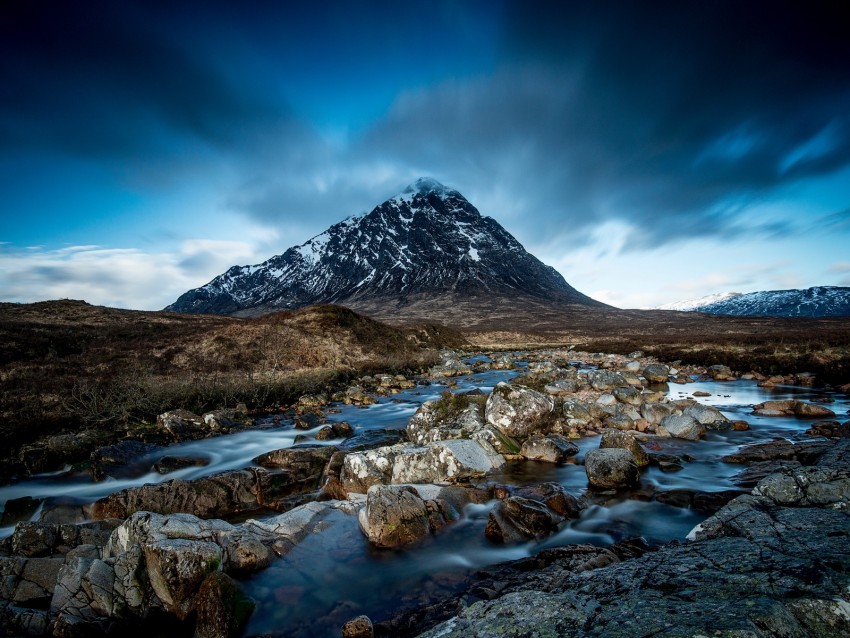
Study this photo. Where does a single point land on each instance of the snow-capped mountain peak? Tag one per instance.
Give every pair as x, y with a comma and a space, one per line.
693, 304
427, 241
424, 186
818, 301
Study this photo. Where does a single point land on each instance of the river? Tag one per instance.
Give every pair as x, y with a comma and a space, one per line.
335, 575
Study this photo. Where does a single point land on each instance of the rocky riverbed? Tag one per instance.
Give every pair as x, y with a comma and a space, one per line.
397, 497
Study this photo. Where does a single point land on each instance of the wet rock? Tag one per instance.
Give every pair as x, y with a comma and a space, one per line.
222, 421
396, 515
169, 464
656, 373
755, 472
611, 468
438, 462
830, 429
683, 426
720, 373
19, 509
807, 487
32, 539
710, 417
222, 608
446, 461
429, 424
362, 470
531, 512
630, 396
211, 496
561, 387
183, 425
28, 582
612, 438
551, 448
666, 462
697, 500
450, 366
517, 411
809, 410
603, 380
655, 412
311, 402
517, 519
806, 452
360, 627
123, 460
325, 434
354, 395
371, 439
177, 567
792, 407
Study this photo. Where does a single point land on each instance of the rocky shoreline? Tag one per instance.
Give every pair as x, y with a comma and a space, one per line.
158, 553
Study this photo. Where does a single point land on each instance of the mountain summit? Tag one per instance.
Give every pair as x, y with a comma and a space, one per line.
426, 242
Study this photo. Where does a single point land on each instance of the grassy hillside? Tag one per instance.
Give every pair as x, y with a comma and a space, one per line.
67, 365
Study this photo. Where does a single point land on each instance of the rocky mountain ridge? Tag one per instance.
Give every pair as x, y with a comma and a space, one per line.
818, 301
428, 241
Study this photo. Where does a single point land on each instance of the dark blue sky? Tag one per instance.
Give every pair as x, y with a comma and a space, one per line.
648, 150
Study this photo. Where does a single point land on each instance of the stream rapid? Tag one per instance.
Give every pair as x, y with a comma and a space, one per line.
335, 575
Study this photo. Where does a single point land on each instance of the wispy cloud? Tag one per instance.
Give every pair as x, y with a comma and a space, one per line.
124, 278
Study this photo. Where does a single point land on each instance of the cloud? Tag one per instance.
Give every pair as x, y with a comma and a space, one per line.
123, 278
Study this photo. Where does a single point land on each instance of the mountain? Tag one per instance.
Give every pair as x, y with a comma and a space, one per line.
819, 301
694, 304
426, 245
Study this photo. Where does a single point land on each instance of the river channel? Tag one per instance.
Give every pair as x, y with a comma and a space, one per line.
335, 575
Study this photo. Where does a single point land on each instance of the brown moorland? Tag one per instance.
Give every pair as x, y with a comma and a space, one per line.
67, 366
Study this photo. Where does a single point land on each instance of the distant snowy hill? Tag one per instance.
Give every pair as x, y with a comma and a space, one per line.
693, 304
427, 241
819, 301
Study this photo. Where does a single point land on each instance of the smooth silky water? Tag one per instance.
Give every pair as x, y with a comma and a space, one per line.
335, 575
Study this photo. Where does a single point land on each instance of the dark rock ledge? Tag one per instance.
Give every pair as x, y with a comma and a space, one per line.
774, 563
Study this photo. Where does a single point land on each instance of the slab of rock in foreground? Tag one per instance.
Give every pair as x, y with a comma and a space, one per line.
757, 570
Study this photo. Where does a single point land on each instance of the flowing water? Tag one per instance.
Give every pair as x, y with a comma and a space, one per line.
335, 575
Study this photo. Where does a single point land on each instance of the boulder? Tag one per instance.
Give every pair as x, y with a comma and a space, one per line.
812, 410
397, 515
611, 468
531, 512
551, 448
169, 464
517, 411
603, 380
821, 428
360, 627
683, 426
806, 452
655, 412
177, 567
445, 462
122, 460
656, 373
362, 470
518, 519
222, 609
629, 396
561, 387
612, 438
183, 425
207, 497
710, 417
720, 373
